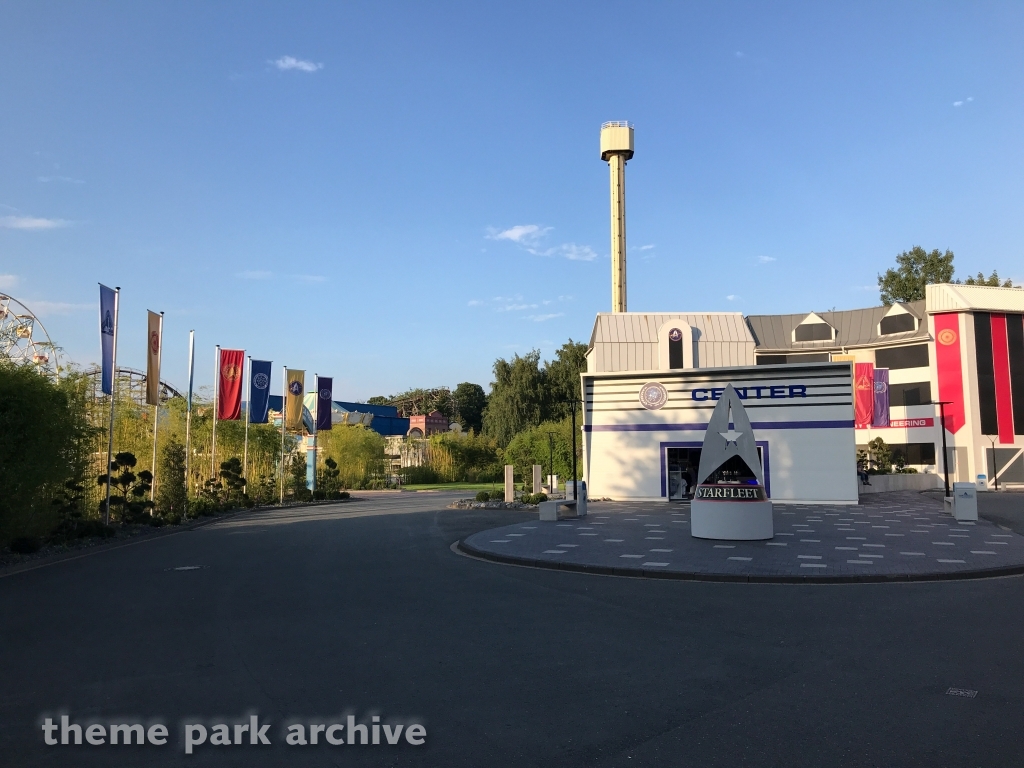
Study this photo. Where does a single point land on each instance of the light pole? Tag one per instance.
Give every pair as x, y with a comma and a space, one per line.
551, 462
945, 452
995, 462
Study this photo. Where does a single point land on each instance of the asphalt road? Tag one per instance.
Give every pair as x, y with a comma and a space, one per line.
310, 615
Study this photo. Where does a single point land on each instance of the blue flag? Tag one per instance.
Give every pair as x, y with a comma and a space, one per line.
259, 391
324, 386
108, 320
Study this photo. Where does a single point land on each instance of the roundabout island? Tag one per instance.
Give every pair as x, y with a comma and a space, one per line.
887, 537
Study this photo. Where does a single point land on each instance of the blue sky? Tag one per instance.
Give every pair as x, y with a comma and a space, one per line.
396, 194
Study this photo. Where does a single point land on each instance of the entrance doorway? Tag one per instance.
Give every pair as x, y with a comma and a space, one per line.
682, 472
682, 462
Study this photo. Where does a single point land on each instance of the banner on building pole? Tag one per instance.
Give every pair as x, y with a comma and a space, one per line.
863, 394
229, 385
108, 311
880, 411
259, 391
154, 347
293, 406
324, 396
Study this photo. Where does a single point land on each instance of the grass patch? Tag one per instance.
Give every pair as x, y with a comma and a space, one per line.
455, 487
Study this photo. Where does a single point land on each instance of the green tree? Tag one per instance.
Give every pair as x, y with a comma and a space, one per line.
45, 441
992, 280
358, 453
562, 379
914, 270
232, 480
518, 397
533, 446
171, 497
297, 477
470, 401
127, 490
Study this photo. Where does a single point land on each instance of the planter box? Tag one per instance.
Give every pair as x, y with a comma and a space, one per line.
889, 483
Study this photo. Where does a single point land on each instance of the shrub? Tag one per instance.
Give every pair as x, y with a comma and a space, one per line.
94, 528
25, 545
344, 495
171, 497
483, 496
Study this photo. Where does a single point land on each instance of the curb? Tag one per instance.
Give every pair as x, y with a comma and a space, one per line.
737, 578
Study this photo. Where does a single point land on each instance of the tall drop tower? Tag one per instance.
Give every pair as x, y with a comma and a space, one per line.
616, 149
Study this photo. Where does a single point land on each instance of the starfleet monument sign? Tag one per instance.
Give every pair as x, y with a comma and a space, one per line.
729, 501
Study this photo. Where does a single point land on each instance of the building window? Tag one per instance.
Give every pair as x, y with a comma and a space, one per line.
916, 393
914, 356
675, 352
914, 453
813, 332
770, 360
814, 357
900, 323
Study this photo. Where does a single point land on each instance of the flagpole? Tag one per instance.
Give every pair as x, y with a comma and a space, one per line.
316, 424
156, 408
284, 402
248, 410
188, 412
113, 393
216, 393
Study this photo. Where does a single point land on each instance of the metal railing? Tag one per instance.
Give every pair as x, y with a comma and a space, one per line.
617, 124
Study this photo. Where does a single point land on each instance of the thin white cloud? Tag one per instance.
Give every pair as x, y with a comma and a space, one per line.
524, 234
474, 303
542, 318
8, 282
256, 274
30, 222
766, 259
64, 179
286, 63
44, 308
739, 54
530, 237
310, 278
645, 247
516, 307
958, 103
733, 297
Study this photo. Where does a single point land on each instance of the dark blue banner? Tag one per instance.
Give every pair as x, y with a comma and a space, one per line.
259, 391
108, 324
324, 385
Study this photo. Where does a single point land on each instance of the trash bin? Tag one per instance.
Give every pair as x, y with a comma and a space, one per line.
965, 502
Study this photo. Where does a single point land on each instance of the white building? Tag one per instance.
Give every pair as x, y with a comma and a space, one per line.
963, 345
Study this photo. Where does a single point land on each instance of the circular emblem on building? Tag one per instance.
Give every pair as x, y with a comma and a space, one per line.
947, 336
154, 342
261, 381
231, 372
295, 388
675, 335
880, 387
325, 394
653, 395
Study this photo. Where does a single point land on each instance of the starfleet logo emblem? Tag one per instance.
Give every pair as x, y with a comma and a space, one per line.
325, 394
881, 387
653, 396
295, 388
230, 372
947, 336
154, 342
675, 335
864, 383
107, 326
261, 381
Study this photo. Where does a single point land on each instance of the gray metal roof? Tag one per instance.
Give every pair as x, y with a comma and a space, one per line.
854, 328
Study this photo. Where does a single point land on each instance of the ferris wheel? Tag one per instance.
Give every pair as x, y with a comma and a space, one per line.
23, 339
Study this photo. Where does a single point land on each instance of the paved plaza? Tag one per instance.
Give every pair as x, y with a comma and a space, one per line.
897, 536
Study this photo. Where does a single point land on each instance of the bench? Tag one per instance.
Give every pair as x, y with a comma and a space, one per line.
570, 508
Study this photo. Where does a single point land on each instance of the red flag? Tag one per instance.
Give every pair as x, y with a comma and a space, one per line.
229, 388
949, 369
863, 394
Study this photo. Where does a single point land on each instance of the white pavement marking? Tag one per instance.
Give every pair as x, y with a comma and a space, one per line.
654, 565
894, 534
588, 534
813, 565
848, 549
554, 552
616, 541
856, 538
776, 544
661, 550
501, 541
1001, 535
861, 562
982, 552
1000, 543
566, 545
632, 556
913, 554
811, 541
877, 546
946, 543
876, 557
809, 557
725, 546
951, 561
745, 559
785, 534
654, 538
515, 534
